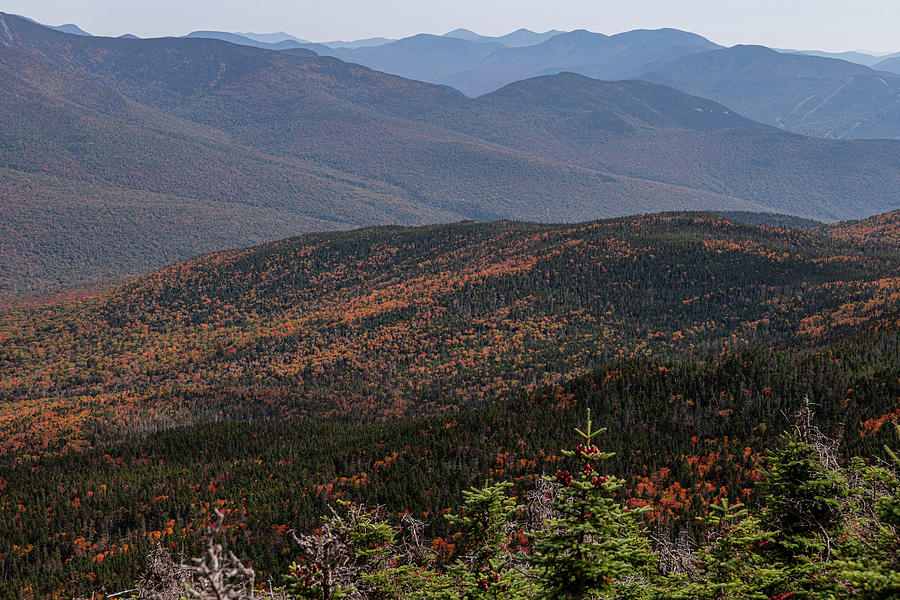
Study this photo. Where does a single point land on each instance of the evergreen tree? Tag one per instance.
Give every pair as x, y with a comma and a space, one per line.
487, 568
802, 500
730, 563
593, 545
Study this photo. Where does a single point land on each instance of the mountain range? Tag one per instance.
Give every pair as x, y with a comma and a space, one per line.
281, 40
516, 39
122, 155
817, 96
848, 95
476, 65
835, 95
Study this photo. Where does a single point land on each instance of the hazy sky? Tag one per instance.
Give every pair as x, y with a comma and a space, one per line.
831, 25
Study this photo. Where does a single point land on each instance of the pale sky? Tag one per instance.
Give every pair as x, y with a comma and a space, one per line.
831, 25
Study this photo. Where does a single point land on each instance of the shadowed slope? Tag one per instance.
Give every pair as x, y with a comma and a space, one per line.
394, 321
807, 94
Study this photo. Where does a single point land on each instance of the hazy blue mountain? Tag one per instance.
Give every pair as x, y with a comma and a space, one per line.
364, 43
860, 58
654, 132
236, 38
516, 39
159, 149
621, 56
891, 64
811, 95
225, 36
424, 57
69, 28
526, 37
128, 36
480, 66
465, 34
272, 38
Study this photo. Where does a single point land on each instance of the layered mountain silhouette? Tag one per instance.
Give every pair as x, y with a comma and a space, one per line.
67, 28
807, 94
860, 58
836, 95
516, 39
476, 65
374, 41
272, 38
268, 42
891, 64
121, 155
281, 40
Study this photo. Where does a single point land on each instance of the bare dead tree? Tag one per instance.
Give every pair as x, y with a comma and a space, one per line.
219, 574
413, 545
539, 504
675, 554
825, 447
331, 555
163, 578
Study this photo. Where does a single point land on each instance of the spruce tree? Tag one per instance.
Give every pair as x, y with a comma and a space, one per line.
730, 563
593, 544
487, 567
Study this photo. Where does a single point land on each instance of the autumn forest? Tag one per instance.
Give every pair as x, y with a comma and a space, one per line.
283, 320
396, 367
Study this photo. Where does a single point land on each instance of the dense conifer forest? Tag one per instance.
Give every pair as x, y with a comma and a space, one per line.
266, 384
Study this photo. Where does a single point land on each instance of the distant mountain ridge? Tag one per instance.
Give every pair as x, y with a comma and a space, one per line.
847, 95
69, 28
273, 38
253, 42
476, 64
363, 43
860, 58
519, 38
891, 64
121, 155
817, 96
281, 40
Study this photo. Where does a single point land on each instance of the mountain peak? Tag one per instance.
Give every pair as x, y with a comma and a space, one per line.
464, 34
69, 28
271, 38
753, 49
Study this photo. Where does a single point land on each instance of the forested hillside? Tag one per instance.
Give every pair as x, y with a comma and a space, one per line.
183, 146
880, 229
397, 322
686, 434
267, 381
